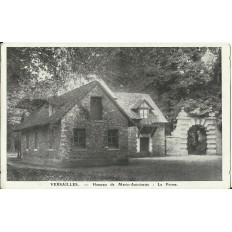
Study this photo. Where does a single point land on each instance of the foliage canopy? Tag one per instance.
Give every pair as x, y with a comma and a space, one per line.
173, 76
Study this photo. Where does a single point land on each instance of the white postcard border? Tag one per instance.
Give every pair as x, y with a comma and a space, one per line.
226, 113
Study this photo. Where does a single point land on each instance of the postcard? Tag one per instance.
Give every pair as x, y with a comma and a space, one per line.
115, 116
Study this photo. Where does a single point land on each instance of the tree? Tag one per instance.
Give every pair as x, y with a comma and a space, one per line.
189, 77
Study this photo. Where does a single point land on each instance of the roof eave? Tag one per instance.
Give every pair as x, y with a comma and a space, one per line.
136, 106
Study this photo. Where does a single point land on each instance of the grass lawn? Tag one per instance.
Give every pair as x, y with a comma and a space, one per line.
185, 168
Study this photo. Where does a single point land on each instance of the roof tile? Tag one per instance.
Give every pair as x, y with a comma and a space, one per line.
126, 101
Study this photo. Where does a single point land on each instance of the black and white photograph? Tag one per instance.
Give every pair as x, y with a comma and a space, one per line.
115, 115
120, 114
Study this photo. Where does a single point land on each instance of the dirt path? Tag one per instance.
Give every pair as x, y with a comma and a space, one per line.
187, 168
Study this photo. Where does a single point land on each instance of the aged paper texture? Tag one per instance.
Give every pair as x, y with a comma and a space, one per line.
115, 116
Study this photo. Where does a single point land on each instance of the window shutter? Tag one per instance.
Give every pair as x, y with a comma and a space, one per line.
96, 108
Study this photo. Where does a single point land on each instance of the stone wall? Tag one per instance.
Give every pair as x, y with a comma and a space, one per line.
180, 134
132, 140
96, 131
158, 142
219, 142
172, 146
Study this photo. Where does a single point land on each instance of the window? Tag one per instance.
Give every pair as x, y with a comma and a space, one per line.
27, 141
79, 137
51, 139
96, 108
113, 138
36, 139
143, 113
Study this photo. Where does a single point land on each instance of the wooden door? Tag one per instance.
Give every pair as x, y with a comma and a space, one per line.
144, 145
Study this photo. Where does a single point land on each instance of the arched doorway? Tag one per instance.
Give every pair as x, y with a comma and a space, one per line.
197, 140
207, 126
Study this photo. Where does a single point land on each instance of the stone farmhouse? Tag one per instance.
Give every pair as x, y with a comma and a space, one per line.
91, 125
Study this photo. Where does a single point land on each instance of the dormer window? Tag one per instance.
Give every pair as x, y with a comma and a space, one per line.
143, 113
144, 110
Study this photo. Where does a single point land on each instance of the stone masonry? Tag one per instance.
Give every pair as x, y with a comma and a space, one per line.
96, 131
78, 116
177, 143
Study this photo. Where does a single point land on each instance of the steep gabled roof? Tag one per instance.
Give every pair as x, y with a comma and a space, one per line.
139, 103
34, 119
77, 93
66, 102
125, 102
128, 100
30, 103
73, 97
